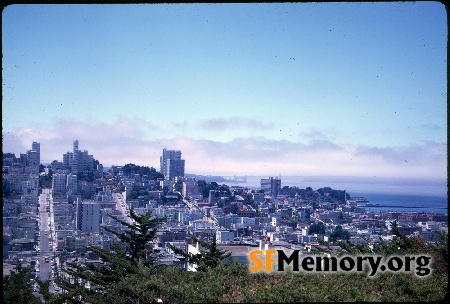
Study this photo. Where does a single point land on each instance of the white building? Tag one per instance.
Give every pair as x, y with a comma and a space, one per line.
88, 216
59, 183
224, 236
192, 249
171, 164
190, 187
71, 183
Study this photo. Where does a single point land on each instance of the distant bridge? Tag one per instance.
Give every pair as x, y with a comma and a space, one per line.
236, 179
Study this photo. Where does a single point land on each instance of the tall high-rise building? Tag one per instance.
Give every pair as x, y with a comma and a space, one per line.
87, 216
35, 146
78, 161
175, 168
271, 186
76, 157
171, 164
75, 146
33, 157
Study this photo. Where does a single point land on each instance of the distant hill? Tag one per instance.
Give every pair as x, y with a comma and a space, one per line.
207, 178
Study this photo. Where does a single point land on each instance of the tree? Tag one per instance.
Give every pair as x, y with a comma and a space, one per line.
339, 234
125, 259
140, 233
234, 208
402, 244
248, 199
6, 188
209, 257
165, 190
318, 228
179, 186
204, 187
17, 286
45, 181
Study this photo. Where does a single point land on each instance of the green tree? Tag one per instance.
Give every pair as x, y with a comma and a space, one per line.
179, 186
209, 256
165, 190
151, 172
6, 188
125, 259
318, 228
339, 234
17, 286
248, 199
139, 235
233, 208
45, 181
402, 244
204, 187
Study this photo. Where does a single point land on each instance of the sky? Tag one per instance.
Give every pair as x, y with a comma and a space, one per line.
302, 89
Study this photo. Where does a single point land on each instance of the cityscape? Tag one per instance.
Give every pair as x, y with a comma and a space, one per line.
51, 212
152, 151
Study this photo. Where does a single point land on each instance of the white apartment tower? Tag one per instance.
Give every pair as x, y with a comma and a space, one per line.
87, 216
90, 221
171, 164
76, 157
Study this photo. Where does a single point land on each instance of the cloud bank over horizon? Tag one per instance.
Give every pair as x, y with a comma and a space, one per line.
311, 153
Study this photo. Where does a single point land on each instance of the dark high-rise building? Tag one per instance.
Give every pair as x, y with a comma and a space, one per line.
271, 186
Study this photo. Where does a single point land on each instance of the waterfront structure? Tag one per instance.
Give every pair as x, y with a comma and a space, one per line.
271, 186
171, 164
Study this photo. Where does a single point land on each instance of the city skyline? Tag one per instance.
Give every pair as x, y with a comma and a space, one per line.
338, 89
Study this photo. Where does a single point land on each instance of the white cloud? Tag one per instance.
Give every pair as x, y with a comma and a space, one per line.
126, 141
224, 124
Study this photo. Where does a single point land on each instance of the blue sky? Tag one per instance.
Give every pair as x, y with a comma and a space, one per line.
339, 89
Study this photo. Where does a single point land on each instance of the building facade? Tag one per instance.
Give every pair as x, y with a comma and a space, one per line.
171, 164
87, 216
71, 184
59, 184
271, 186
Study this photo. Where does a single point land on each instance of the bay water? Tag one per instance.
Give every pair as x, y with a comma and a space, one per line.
418, 195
